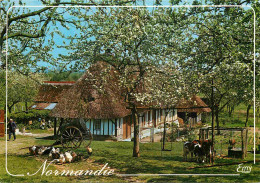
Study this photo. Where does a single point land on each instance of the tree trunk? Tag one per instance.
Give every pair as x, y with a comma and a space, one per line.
213, 124
217, 119
247, 114
136, 152
26, 106
230, 111
61, 123
257, 115
9, 109
164, 129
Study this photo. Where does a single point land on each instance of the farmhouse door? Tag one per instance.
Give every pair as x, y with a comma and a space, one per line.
127, 127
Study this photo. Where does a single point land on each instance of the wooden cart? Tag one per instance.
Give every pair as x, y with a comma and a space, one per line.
73, 134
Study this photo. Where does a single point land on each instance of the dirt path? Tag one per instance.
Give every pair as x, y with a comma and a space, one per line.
35, 134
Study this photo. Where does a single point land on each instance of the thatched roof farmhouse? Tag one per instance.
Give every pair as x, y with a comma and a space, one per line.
97, 100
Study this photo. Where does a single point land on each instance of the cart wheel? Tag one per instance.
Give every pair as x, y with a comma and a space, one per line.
87, 137
71, 138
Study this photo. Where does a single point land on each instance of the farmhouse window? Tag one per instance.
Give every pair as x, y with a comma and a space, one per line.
97, 124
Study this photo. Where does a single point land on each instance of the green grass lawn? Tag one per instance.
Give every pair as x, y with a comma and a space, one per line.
19, 162
118, 155
237, 119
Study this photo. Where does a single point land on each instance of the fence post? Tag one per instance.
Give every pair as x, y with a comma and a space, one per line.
242, 137
246, 142
152, 134
55, 126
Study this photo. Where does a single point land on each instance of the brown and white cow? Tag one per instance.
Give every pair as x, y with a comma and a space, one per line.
206, 149
188, 148
201, 150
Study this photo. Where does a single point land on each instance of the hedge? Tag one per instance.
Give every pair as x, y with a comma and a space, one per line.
24, 117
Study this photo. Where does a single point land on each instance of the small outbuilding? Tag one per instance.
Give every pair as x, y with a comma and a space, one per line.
191, 110
49, 94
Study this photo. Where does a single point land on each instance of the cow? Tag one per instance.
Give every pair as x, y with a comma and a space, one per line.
200, 148
206, 149
188, 148
199, 153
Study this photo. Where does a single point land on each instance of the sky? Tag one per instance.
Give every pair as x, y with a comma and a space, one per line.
72, 31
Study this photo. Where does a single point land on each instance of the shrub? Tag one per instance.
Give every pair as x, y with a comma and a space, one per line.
35, 125
20, 126
22, 118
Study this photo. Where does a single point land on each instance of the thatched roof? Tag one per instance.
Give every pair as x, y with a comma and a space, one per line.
51, 91
86, 100
194, 105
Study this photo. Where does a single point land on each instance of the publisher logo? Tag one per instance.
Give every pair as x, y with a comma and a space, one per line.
244, 169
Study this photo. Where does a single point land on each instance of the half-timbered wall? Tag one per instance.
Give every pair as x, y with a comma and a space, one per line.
123, 127
106, 127
145, 119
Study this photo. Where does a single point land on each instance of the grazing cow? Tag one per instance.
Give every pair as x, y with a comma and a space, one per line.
201, 149
199, 153
206, 148
188, 148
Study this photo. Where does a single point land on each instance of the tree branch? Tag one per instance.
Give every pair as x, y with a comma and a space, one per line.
38, 12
